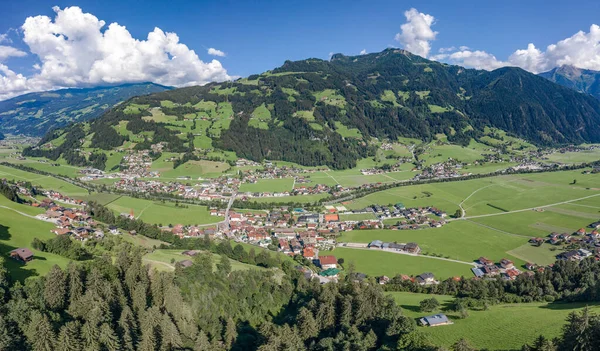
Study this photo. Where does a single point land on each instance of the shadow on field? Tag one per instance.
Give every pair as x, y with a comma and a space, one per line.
568, 305
14, 267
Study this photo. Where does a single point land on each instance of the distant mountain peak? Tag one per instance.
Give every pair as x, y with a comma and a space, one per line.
579, 79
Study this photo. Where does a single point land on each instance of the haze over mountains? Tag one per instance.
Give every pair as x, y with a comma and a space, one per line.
36, 113
582, 80
317, 112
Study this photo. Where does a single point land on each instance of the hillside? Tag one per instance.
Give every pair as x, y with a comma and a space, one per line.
316, 112
36, 113
581, 80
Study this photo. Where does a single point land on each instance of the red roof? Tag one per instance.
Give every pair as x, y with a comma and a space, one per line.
327, 260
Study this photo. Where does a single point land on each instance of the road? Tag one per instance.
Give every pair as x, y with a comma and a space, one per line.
403, 253
23, 213
226, 220
524, 209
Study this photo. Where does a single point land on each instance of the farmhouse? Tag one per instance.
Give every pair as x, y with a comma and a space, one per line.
435, 320
328, 262
426, 279
485, 262
506, 264
22, 254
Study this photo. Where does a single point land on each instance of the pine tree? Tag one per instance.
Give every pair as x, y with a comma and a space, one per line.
75, 276
224, 266
202, 343
307, 325
55, 288
230, 333
171, 338
69, 338
148, 342
128, 328
7, 337
40, 334
108, 338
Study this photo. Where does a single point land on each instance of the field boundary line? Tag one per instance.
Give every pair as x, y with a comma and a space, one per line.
499, 230
472, 264
111, 201
524, 209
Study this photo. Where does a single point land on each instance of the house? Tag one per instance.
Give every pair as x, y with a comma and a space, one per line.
491, 270
308, 253
530, 266
22, 254
412, 248
376, 244
478, 272
435, 320
332, 218
383, 280
191, 253
327, 262
113, 229
426, 279
580, 231
484, 261
568, 256
506, 264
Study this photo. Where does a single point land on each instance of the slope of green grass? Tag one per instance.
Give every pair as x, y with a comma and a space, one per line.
502, 327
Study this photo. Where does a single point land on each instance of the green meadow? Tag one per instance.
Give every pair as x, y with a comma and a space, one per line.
502, 327
47, 182
268, 185
155, 212
18, 231
377, 263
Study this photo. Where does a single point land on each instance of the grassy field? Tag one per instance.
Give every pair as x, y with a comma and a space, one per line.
486, 195
268, 185
575, 157
440, 153
377, 263
163, 213
193, 169
161, 260
461, 240
47, 182
18, 231
502, 327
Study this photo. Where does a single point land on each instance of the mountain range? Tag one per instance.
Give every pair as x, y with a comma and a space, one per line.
317, 112
581, 80
36, 113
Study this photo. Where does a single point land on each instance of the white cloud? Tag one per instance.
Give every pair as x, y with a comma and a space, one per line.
363, 51
75, 50
215, 52
4, 38
9, 51
581, 50
449, 49
331, 54
416, 34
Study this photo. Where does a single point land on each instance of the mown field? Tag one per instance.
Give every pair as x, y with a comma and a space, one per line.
461, 240
47, 182
17, 231
155, 212
378, 263
164, 260
490, 195
277, 185
502, 327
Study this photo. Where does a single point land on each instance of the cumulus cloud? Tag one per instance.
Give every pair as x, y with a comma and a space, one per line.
4, 38
363, 51
9, 51
215, 52
580, 50
75, 49
416, 34
449, 49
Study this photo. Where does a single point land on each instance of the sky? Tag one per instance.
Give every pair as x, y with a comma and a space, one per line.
49, 45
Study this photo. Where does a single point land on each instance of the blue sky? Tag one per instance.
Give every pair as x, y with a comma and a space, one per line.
260, 35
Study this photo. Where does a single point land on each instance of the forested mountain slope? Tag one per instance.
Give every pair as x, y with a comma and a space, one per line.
36, 113
317, 112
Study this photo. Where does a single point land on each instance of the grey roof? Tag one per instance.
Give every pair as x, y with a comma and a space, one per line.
478, 272
376, 243
426, 276
436, 319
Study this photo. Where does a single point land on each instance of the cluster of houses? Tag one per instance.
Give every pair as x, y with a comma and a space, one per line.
505, 269
75, 222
